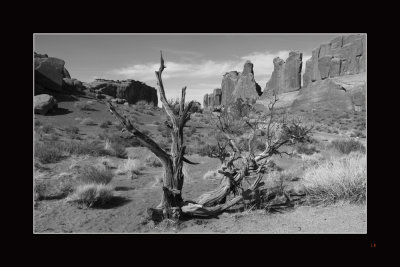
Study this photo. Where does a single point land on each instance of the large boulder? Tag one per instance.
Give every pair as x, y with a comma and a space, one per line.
49, 73
72, 85
286, 76
344, 55
130, 90
44, 103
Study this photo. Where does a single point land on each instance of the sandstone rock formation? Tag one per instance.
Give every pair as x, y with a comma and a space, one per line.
343, 55
228, 84
246, 87
49, 73
205, 101
340, 93
130, 90
286, 76
234, 85
44, 103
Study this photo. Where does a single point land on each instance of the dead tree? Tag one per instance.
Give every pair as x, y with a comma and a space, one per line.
212, 203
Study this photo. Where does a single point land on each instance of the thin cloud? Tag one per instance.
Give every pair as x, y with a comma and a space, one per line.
202, 69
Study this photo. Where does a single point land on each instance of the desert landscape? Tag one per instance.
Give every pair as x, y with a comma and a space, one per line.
284, 157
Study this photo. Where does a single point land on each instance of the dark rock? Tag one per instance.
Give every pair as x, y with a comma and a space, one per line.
130, 90
49, 73
44, 103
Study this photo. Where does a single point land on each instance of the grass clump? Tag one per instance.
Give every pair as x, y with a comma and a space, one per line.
48, 153
72, 130
347, 146
340, 178
90, 175
92, 195
132, 166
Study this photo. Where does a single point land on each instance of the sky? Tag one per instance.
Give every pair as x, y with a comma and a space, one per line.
197, 61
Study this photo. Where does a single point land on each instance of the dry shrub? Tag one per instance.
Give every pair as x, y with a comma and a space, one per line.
340, 178
55, 188
132, 166
347, 146
92, 195
47, 152
90, 175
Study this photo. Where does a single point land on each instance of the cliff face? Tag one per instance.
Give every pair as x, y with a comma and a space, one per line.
130, 90
344, 55
234, 85
286, 76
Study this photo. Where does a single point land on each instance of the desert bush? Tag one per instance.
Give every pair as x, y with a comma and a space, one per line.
341, 178
118, 150
347, 146
56, 188
48, 152
92, 195
84, 105
87, 121
132, 166
38, 123
90, 175
308, 149
93, 148
153, 161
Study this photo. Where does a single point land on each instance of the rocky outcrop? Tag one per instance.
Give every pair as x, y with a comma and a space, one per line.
235, 85
44, 103
130, 90
246, 87
49, 73
344, 55
286, 76
340, 93
228, 84
217, 93
205, 101
51, 76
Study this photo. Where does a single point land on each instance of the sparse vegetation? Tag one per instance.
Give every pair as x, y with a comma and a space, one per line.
347, 146
341, 178
90, 175
132, 166
92, 195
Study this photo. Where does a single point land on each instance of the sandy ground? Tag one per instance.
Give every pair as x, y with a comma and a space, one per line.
127, 213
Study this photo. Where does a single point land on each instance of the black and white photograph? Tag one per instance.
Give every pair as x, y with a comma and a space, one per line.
199, 133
